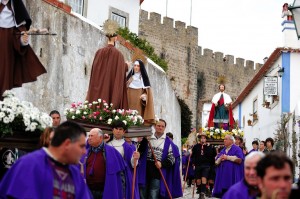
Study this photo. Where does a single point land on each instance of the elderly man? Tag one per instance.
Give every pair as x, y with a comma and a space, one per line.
48, 172
247, 188
229, 168
275, 176
105, 168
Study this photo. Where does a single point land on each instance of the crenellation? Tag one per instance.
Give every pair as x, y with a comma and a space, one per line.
240, 62
155, 17
219, 56
191, 30
207, 52
168, 22
229, 59
179, 25
250, 64
144, 15
258, 66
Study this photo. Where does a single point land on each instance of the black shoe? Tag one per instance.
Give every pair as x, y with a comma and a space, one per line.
201, 195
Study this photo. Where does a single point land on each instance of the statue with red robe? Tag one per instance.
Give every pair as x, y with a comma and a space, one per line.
221, 112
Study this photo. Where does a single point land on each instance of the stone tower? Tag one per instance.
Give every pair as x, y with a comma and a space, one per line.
193, 74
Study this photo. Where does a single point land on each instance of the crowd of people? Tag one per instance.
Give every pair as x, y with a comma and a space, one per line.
72, 163
230, 171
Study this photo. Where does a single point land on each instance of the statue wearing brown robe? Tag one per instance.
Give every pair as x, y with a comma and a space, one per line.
18, 63
108, 77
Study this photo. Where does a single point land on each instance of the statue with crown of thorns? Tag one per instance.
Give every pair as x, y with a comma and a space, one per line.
221, 111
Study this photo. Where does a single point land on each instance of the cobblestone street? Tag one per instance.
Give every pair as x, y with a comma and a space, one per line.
188, 193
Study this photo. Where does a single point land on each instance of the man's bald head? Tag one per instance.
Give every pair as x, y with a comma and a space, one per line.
95, 137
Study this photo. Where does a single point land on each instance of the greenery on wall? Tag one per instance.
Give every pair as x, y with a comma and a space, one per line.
143, 45
282, 134
186, 118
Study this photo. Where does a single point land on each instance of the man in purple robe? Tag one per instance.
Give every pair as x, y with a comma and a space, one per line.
106, 169
247, 188
48, 173
166, 160
229, 168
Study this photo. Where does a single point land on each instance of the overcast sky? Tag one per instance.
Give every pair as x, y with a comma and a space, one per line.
250, 29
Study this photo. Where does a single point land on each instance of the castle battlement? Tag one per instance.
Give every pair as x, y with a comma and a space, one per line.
229, 59
188, 62
154, 19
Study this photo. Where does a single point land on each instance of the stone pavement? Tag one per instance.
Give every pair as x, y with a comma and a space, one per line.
188, 193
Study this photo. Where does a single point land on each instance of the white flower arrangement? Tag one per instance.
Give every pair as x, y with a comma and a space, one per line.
217, 133
21, 115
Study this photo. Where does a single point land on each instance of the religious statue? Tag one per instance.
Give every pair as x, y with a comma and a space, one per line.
286, 12
18, 62
139, 90
108, 75
221, 111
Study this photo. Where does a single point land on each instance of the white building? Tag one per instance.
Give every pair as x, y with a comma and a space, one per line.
270, 96
125, 12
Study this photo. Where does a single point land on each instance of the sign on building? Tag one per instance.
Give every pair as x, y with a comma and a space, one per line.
270, 85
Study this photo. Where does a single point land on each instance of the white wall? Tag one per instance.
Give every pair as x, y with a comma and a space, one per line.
68, 59
295, 79
98, 11
267, 118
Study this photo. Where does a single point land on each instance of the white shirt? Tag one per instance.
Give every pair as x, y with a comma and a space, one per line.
6, 18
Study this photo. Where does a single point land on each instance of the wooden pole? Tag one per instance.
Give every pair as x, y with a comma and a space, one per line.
161, 174
186, 173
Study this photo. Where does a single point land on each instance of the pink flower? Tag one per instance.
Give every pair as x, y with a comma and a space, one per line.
95, 117
73, 105
100, 118
98, 107
83, 117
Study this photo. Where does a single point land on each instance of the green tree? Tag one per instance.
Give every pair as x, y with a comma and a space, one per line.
186, 118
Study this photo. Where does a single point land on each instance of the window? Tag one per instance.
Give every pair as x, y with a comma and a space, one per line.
254, 114
121, 20
255, 106
121, 17
77, 5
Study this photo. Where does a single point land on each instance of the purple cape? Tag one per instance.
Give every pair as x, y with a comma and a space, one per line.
238, 190
185, 160
228, 172
172, 175
115, 164
31, 177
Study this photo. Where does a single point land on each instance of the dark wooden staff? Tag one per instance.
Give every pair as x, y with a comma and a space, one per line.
186, 173
161, 174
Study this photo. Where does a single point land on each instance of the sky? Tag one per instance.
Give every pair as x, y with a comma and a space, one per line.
249, 29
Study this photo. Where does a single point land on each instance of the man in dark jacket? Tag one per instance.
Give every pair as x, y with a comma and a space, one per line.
203, 157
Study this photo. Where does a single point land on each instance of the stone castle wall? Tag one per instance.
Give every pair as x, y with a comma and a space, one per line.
179, 47
193, 73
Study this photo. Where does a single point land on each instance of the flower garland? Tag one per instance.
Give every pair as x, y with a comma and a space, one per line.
99, 111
